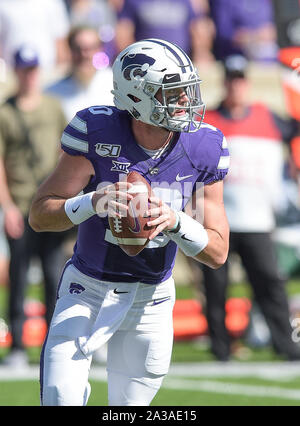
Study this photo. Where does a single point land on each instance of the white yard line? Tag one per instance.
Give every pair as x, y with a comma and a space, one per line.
267, 370
232, 388
177, 377
264, 370
14, 373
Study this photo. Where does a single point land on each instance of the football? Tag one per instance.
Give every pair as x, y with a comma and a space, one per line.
131, 231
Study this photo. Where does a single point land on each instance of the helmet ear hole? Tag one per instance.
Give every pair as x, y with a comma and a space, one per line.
135, 99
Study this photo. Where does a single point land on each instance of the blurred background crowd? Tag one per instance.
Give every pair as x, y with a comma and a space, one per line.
56, 58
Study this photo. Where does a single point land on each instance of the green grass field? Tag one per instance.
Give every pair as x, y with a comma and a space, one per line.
182, 391
258, 379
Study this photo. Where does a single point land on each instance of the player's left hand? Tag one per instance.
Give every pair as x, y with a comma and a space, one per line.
162, 216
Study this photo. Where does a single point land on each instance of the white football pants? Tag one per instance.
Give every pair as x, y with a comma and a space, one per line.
136, 321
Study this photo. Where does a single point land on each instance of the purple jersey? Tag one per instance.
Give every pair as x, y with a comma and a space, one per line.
164, 19
103, 135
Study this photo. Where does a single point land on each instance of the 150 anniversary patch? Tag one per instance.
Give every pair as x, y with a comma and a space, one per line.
107, 150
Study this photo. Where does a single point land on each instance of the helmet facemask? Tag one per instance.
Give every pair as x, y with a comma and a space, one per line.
171, 112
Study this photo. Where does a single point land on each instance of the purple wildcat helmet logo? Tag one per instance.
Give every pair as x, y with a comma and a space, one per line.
76, 288
136, 64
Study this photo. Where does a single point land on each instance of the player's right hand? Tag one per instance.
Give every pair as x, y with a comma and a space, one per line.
112, 200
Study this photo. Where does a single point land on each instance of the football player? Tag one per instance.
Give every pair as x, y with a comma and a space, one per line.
155, 128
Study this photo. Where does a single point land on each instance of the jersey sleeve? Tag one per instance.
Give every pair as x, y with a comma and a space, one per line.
210, 154
83, 132
223, 161
74, 140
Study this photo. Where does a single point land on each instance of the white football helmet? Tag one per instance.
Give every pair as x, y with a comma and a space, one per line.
145, 67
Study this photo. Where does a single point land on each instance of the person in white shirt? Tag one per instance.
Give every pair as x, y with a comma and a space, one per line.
43, 24
90, 79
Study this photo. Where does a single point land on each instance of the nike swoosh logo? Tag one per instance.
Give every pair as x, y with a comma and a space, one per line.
180, 178
75, 210
120, 292
168, 77
158, 301
184, 238
137, 225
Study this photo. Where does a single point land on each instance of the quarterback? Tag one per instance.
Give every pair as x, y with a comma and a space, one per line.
105, 296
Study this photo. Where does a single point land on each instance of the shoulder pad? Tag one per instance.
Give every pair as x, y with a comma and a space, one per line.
208, 151
76, 136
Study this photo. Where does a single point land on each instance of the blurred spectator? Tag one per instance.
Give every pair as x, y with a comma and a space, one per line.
42, 24
99, 14
4, 254
30, 129
245, 27
90, 80
182, 22
251, 193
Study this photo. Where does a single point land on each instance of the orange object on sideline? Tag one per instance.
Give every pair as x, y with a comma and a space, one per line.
34, 331
295, 148
292, 98
187, 306
190, 322
236, 323
240, 304
5, 340
288, 56
188, 319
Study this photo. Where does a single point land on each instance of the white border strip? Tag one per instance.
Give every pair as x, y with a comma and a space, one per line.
224, 162
74, 143
131, 241
78, 124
